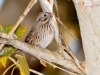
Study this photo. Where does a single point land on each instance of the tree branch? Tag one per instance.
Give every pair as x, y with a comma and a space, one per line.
42, 53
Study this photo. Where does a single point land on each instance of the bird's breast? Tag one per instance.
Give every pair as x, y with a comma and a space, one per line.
46, 34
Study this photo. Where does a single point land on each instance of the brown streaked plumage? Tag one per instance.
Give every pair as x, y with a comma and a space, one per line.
42, 32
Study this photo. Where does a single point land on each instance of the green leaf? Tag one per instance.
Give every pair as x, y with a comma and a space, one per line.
19, 32
23, 66
5, 53
3, 60
7, 49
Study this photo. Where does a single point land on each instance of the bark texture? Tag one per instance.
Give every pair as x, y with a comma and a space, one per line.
88, 12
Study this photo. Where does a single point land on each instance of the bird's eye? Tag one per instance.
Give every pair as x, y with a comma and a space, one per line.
44, 15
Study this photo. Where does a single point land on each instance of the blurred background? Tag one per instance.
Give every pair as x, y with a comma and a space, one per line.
10, 11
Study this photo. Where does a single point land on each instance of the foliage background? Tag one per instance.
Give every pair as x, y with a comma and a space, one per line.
11, 11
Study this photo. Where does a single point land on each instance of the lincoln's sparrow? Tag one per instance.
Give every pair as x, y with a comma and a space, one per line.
42, 32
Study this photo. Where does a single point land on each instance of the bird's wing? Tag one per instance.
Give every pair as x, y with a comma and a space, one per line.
36, 30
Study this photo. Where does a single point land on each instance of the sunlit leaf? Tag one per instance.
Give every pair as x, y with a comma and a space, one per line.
7, 49
3, 60
23, 66
19, 32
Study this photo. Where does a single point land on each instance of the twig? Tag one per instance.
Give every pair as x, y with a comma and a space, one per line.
13, 70
13, 61
36, 72
65, 28
32, 2
68, 50
3, 35
60, 68
8, 69
56, 6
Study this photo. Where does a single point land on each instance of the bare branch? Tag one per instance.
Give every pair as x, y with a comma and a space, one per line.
43, 54
3, 35
61, 68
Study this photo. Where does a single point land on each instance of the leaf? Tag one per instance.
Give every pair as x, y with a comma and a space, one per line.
19, 32
7, 49
23, 66
5, 53
3, 60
